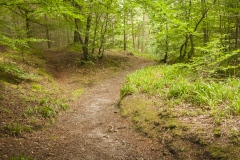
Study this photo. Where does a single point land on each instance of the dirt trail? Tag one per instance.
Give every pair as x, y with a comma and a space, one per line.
91, 130
94, 130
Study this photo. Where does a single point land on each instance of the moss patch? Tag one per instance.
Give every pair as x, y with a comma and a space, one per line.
226, 152
148, 115
183, 132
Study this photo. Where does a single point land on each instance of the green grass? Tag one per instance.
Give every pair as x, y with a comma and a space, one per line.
175, 105
16, 129
13, 73
36, 87
20, 158
226, 152
147, 55
180, 83
47, 108
78, 92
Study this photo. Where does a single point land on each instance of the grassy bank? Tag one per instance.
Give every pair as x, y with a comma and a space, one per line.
29, 96
184, 111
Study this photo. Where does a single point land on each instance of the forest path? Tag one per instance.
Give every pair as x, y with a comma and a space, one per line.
92, 129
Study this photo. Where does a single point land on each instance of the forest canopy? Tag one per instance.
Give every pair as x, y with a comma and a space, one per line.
203, 32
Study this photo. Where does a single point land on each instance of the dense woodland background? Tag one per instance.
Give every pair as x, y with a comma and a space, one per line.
206, 32
52, 51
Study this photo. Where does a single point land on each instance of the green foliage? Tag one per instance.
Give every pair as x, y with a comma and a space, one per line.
20, 158
128, 90
77, 92
214, 60
18, 44
180, 82
235, 137
224, 152
11, 72
173, 102
16, 129
217, 132
82, 62
166, 27
46, 111
48, 108
36, 87
151, 56
182, 32
60, 104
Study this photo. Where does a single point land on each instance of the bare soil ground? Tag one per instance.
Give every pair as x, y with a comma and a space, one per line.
92, 128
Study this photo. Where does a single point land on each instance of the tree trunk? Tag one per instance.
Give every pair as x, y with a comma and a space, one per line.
205, 25
113, 35
237, 29
191, 52
133, 34
27, 24
102, 40
143, 33
124, 32
139, 38
167, 45
47, 34
97, 19
86, 42
77, 37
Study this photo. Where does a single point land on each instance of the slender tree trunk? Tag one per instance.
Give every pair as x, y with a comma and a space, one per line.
167, 45
102, 40
191, 52
139, 38
185, 48
143, 33
47, 34
86, 42
113, 35
27, 24
48, 38
133, 34
205, 25
124, 32
237, 27
229, 37
97, 19
237, 32
77, 37
221, 29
